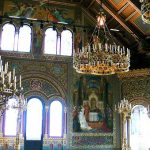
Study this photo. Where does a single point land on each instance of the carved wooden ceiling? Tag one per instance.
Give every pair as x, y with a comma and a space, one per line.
124, 15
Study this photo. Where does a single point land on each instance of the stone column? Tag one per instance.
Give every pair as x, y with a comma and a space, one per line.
46, 122
65, 127
124, 142
65, 122
22, 124
1, 126
128, 132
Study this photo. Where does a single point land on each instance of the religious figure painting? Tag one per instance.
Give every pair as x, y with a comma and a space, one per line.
92, 110
38, 10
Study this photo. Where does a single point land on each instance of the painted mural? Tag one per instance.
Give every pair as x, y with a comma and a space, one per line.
38, 10
92, 110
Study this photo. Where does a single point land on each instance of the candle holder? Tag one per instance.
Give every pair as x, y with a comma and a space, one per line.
8, 89
21, 106
7, 85
124, 108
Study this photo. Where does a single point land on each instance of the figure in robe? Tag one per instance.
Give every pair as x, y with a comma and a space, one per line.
76, 123
86, 110
83, 123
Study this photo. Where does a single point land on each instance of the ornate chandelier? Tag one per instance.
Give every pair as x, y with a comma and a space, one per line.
124, 108
7, 90
145, 10
101, 56
7, 86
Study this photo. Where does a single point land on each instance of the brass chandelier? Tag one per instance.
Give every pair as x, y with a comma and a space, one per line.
124, 108
7, 86
101, 57
7, 91
145, 10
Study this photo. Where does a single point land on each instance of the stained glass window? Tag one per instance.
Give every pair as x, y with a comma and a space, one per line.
34, 119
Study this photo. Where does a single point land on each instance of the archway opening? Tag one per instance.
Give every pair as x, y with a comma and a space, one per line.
140, 131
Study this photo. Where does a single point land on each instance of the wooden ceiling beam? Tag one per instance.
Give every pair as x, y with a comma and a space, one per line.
62, 3
117, 18
131, 15
110, 20
123, 8
81, 1
91, 18
91, 4
133, 5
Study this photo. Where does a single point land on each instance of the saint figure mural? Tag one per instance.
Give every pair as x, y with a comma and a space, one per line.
83, 123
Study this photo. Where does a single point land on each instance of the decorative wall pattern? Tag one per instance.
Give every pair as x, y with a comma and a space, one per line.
137, 87
40, 86
42, 69
45, 79
7, 143
91, 140
136, 84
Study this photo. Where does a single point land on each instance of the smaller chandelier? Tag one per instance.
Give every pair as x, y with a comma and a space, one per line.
101, 56
145, 10
124, 107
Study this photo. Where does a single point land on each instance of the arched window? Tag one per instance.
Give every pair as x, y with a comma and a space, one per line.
18, 41
66, 43
10, 122
58, 44
140, 131
55, 119
50, 44
34, 119
8, 32
24, 40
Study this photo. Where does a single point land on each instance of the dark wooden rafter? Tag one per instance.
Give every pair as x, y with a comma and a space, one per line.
119, 12
92, 19
81, 1
62, 3
91, 4
118, 18
110, 20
